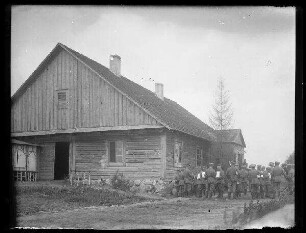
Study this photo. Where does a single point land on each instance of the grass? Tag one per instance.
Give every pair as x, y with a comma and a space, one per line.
31, 199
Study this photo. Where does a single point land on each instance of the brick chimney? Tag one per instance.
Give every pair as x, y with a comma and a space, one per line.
115, 64
159, 90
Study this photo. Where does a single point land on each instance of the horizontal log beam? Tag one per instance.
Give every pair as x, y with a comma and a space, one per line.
86, 130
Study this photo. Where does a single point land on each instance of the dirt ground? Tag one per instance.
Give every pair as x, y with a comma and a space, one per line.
283, 218
154, 212
176, 213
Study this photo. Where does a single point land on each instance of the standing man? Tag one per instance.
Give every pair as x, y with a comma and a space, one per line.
211, 174
254, 181
238, 184
277, 173
198, 183
179, 183
243, 177
232, 176
187, 181
204, 182
260, 185
267, 182
262, 182
220, 181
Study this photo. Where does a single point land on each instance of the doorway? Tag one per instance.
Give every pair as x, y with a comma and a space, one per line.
61, 163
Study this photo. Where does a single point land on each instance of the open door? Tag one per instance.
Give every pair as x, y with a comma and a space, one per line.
61, 163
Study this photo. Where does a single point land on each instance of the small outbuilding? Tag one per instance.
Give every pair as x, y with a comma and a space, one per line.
230, 146
24, 160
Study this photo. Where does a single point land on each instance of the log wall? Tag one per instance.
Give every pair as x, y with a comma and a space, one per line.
190, 145
142, 156
89, 152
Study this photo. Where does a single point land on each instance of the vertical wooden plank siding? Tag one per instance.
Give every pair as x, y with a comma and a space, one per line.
120, 109
91, 101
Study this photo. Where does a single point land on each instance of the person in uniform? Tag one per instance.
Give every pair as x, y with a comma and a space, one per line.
198, 183
267, 182
232, 176
254, 181
187, 181
204, 182
194, 180
178, 182
238, 184
261, 182
220, 182
291, 175
211, 174
243, 177
277, 173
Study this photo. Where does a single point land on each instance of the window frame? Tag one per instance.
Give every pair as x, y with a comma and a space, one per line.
201, 156
60, 103
116, 164
180, 156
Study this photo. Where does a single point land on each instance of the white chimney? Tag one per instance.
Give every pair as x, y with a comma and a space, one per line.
115, 64
159, 90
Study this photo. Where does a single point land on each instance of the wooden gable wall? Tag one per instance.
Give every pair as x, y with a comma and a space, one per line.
92, 102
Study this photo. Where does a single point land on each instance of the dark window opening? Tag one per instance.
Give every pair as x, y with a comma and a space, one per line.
62, 99
61, 96
112, 154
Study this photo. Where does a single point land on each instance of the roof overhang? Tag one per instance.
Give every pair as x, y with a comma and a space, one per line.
86, 130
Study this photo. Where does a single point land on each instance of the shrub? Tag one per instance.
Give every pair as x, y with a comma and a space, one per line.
119, 182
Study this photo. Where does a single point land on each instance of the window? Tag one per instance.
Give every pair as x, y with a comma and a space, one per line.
116, 152
200, 161
62, 99
178, 150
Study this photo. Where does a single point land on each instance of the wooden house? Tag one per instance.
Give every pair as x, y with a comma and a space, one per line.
87, 117
229, 146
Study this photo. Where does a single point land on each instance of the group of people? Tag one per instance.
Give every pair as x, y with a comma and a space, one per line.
261, 181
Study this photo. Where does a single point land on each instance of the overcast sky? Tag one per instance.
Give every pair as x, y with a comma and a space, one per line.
186, 49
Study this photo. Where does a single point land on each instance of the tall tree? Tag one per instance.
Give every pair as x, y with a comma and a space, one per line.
221, 117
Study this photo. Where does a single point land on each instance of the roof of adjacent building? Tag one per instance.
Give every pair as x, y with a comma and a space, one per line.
167, 112
231, 136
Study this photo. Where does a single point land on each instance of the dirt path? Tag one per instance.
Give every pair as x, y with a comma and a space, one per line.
177, 213
283, 217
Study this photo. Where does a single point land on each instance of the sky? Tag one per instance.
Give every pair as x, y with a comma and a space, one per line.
187, 49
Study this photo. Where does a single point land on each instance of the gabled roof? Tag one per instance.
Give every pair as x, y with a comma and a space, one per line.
167, 112
231, 136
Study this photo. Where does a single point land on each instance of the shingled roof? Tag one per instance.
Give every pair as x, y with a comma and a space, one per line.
167, 112
231, 136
